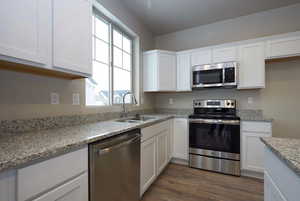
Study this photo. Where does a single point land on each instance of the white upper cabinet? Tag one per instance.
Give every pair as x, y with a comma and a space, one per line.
252, 66
72, 35
159, 71
25, 30
184, 72
224, 54
201, 57
283, 47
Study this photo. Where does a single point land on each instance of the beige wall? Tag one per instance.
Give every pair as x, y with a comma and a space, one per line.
279, 99
28, 96
261, 24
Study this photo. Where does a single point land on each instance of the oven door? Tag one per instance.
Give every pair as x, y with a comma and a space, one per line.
214, 135
207, 76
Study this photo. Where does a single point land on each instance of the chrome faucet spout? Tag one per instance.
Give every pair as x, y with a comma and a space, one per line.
124, 111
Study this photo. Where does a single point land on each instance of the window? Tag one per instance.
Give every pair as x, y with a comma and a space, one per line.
112, 64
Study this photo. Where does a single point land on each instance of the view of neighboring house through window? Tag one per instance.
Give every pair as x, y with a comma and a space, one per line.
112, 64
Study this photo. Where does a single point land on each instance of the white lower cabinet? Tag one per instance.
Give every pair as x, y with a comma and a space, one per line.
272, 193
155, 152
180, 135
252, 147
7, 186
148, 163
74, 190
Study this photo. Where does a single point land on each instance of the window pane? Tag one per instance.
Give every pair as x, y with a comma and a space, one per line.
122, 85
98, 85
126, 61
102, 51
102, 30
117, 57
127, 45
117, 39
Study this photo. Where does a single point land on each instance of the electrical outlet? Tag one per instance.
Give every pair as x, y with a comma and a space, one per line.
171, 101
54, 98
76, 99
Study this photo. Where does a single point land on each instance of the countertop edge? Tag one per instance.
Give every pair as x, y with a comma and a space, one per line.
285, 160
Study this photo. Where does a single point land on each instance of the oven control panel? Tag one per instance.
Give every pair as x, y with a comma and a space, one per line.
199, 103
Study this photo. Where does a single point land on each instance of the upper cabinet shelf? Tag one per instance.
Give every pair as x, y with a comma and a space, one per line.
251, 56
47, 34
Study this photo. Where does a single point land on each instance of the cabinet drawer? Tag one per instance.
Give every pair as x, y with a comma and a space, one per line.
259, 127
50, 173
154, 130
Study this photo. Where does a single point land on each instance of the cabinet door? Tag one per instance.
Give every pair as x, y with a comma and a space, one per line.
148, 163
72, 35
74, 190
170, 140
166, 72
184, 72
253, 151
271, 191
201, 57
162, 151
252, 66
180, 139
7, 186
25, 28
284, 47
150, 72
224, 54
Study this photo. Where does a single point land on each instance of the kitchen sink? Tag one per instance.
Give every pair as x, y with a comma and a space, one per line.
136, 119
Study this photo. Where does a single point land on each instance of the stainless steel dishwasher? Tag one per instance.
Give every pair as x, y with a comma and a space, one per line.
115, 168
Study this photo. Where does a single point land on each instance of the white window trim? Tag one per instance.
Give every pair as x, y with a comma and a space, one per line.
136, 54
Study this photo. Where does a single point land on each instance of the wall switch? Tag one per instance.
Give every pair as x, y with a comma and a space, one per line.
54, 98
76, 99
171, 101
250, 100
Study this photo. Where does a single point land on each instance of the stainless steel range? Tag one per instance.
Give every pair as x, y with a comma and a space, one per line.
214, 136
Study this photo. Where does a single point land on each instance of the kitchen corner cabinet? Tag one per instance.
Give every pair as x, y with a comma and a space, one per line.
154, 152
184, 72
25, 29
251, 145
7, 186
252, 66
280, 182
159, 71
283, 47
72, 35
180, 150
51, 34
62, 178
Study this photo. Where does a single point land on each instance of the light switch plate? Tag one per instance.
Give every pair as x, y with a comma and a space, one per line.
76, 99
54, 98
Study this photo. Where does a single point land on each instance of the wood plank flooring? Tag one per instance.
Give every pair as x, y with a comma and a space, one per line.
180, 183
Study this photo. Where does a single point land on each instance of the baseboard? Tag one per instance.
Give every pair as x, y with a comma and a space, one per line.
180, 161
248, 173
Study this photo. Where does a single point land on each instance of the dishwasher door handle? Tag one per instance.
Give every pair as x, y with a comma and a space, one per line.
117, 146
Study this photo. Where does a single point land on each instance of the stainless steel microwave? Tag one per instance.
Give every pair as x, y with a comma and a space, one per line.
215, 75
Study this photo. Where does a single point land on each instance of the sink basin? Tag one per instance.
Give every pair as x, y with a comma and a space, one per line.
136, 119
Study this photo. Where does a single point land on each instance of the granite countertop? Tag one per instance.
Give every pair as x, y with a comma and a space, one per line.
20, 149
288, 150
256, 118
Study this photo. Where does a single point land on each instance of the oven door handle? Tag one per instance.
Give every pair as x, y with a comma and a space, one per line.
215, 121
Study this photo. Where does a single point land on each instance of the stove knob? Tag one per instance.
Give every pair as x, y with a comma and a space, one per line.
232, 104
228, 103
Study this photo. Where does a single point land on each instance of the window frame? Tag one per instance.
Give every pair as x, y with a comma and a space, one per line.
124, 33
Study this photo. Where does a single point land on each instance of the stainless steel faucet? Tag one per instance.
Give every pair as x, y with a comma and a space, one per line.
125, 112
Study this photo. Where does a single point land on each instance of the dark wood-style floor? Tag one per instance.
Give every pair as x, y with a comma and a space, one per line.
180, 183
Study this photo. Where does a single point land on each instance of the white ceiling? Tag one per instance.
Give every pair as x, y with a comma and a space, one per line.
165, 16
